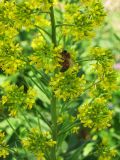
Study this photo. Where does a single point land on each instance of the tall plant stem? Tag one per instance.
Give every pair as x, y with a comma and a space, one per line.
53, 25
53, 99
54, 126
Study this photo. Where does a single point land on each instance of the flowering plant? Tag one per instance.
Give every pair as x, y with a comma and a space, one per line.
54, 76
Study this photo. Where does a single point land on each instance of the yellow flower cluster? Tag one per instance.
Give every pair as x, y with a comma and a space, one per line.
75, 130
102, 67
30, 13
38, 142
83, 18
11, 59
80, 21
68, 85
88, 2
30, 98
43, 5
23, 14
101, 54
7, 18
95, 114
109, 155
14, 98
105, 152
4, 152
44, 56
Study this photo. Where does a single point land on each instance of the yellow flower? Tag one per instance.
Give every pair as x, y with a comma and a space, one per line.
42, 22
4, 99
96, 114
75, 130
16, 97
68, 85
51, 143
13, 113
2, 134
113, 152
30, 99
25, 143
60, 120
4, 152
38, 42
40, 156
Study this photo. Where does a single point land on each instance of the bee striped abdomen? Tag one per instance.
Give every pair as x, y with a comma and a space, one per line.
65, 61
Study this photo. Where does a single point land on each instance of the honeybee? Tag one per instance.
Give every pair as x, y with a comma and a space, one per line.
66, 61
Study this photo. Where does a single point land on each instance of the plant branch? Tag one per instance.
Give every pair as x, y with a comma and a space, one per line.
43, 118
36, 84
54, 126
67, 25
27, 120
12, 128
43, 30
52, 17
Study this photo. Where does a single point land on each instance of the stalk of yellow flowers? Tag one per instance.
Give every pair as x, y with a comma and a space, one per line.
54, 73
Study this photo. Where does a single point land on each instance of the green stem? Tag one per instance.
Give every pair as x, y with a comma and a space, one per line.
36, 84
53, 101
52, 17
14, 130
44, 12
67, 25
27, 120
38, 118
54, 126
43, 118
40, 28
